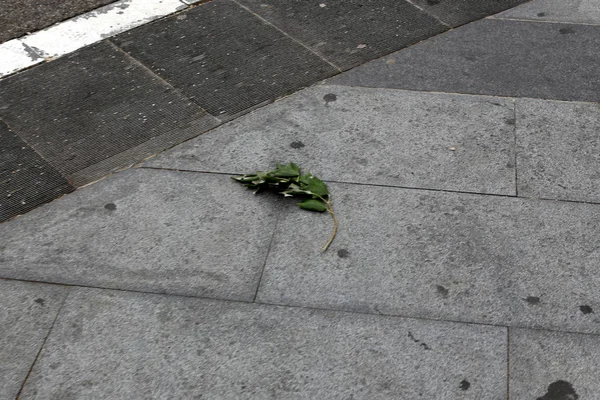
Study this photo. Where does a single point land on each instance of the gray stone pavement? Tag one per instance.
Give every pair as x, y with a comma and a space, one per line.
466, 265
109, 343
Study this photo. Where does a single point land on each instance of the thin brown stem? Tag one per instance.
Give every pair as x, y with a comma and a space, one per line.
335, 225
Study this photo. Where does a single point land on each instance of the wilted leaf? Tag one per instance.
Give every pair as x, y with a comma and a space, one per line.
313, 205
286, 171
314, 185
289, 181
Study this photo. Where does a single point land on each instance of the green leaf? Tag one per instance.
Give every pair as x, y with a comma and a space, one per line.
314, 185
313, 205
286, 171
244, 178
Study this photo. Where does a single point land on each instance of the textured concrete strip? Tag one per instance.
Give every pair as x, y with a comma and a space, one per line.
495, 57
109, 345
96, 25
450, 256
81, 111
224, 57
349, 32
558, 147
15, 55
362, 135
159, 231
19, 17
26, 179
458, 12
577, 11
27, 311
553, 365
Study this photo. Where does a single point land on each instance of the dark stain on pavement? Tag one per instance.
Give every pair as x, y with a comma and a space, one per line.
566, 31
40, 301
110, 206
442, 290
297, 145
533, 300
423, 345
465, 384
343, 253
560, 390
542, 14
586, 309
329, 97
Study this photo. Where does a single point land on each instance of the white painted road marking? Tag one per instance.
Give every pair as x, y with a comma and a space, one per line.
15, 56
75, 33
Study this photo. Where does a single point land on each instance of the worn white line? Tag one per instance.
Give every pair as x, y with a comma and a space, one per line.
98, 24
15, 56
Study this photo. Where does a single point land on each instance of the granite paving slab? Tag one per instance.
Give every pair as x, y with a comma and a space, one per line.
147, 230
18, 17
363, 135
27, 311
349, 32
441, 255
26, 179
578, 11
94, 104
459, 12
109, 345
558, 150
225, 58
495, 57
553, 365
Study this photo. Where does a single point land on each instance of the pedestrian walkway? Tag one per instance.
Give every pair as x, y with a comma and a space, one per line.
462, 170
114, 103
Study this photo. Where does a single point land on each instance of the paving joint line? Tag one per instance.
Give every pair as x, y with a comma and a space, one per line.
491, 17
264, 266
510, 196
37, 356
161, 80
459, 94
516, 149
428, 13
37, 153
287, 35
508, 363
295, 306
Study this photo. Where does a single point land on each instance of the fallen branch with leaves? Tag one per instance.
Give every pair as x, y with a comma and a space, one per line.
289, 181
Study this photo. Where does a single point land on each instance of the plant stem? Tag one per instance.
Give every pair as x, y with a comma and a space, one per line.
335, 224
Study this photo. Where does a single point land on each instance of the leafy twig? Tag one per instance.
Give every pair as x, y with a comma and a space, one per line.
289, 181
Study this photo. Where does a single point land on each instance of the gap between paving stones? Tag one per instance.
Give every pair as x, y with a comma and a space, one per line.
295, 306
37, 356
381, 185
542, 21
288, 35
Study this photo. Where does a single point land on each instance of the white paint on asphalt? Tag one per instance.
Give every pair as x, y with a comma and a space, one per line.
75, 33
96, 25
15, 56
